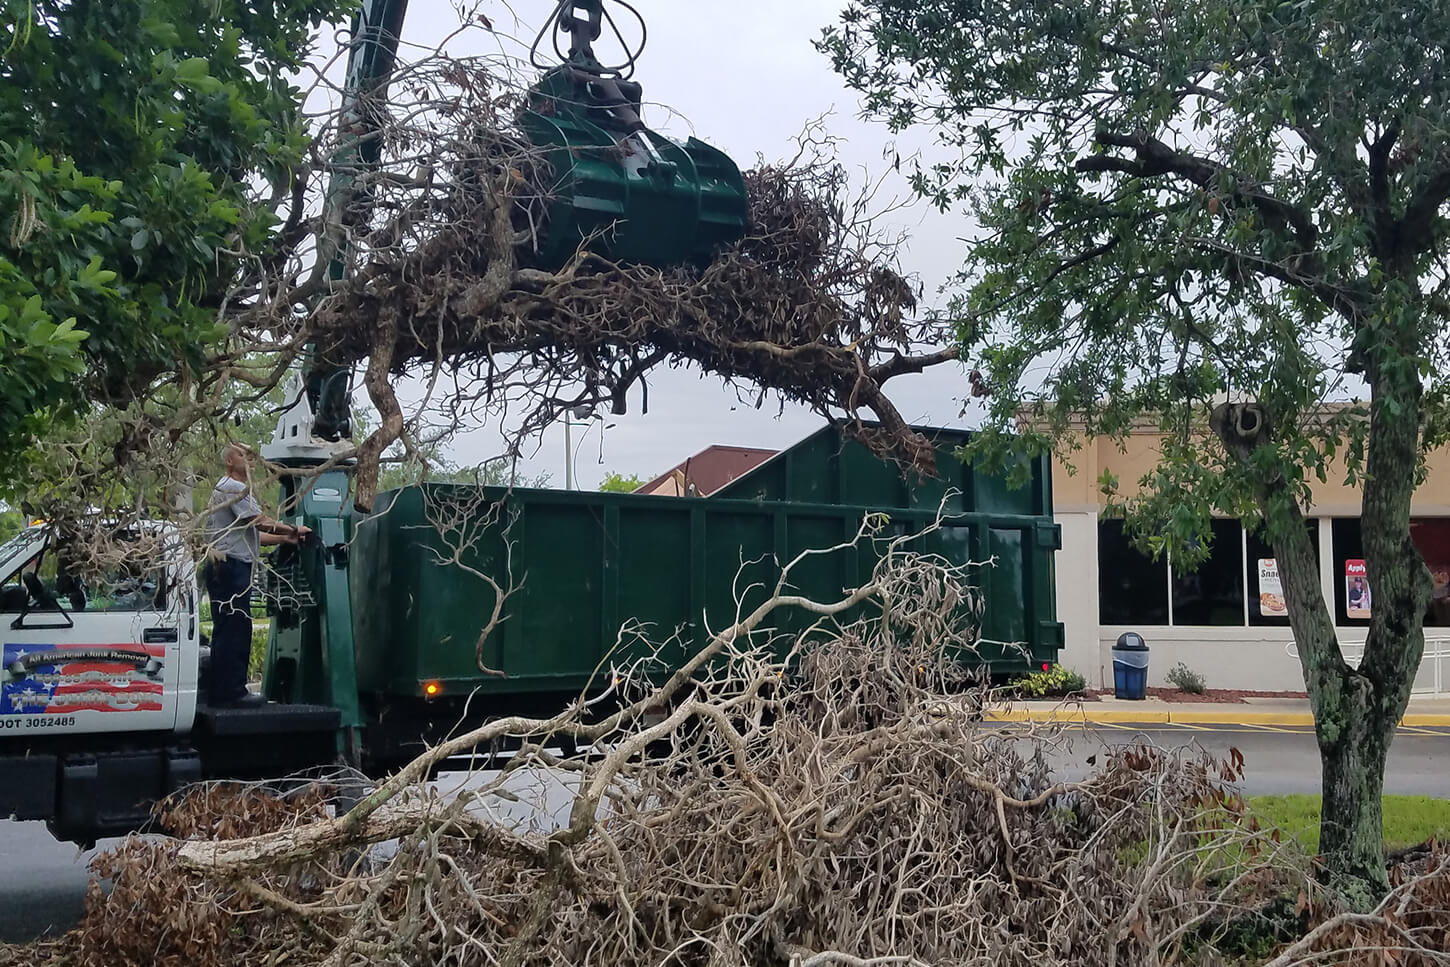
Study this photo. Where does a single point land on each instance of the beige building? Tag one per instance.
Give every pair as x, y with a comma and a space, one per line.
1226, 620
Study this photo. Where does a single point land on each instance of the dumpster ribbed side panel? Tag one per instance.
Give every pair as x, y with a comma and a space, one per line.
739, 555
824, 468
653, 555
375, 574
560, 608
600, 580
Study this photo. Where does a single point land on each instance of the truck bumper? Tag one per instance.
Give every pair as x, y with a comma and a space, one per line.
84, 797
28, 786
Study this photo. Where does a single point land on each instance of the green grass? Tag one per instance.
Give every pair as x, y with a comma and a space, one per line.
259, 648
259, 645
1408, 820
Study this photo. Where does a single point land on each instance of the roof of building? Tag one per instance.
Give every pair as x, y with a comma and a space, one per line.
707, 471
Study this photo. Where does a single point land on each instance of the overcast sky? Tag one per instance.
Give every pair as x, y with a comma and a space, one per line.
744, 77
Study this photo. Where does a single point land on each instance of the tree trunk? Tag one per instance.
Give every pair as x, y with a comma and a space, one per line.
1352, 734
1351, 826
1356, 711
1400, 588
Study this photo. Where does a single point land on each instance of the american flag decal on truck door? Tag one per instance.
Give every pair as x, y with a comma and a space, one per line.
61, 679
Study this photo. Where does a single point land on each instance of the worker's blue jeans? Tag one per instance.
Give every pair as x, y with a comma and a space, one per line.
229, 583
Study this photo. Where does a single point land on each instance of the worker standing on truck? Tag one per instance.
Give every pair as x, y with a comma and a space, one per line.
236, 529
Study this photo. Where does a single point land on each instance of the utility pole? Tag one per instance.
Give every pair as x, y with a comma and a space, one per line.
568, 456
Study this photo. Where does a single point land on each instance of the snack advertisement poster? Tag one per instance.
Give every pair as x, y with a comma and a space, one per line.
1271, 590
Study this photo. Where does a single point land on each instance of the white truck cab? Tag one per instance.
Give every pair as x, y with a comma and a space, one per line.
98, 680
112, 652
101, 713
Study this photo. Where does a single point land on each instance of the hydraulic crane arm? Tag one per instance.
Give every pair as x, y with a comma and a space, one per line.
376, 31
615, 184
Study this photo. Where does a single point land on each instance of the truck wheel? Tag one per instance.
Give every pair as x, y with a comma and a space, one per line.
352, 748
351, 790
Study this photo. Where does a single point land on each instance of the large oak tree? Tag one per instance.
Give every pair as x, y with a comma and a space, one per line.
146, 149
1219, 216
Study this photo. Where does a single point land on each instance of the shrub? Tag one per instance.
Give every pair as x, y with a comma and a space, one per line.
259, 650
1187, 679
1054, 683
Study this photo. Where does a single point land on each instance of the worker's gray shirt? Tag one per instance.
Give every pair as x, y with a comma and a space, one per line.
231, 522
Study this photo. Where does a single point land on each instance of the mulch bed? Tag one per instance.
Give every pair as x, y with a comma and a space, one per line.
1230, 696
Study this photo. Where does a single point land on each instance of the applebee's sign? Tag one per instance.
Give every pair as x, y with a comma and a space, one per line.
1356, 590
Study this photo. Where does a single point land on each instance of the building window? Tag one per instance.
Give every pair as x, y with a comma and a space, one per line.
1240, 578
1132, 587
1348, 575
1432, 536
1213, 593
1261, 573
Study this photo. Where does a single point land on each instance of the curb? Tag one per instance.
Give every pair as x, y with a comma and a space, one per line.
1425, 718
1077, 716
1086, 716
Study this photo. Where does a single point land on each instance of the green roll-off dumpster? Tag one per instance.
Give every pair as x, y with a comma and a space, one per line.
582, 565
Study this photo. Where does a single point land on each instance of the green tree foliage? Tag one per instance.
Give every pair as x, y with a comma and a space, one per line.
1214, 217
490, 473
251, 420
57, 475
142, 147
618, 483
12, 522
432, 449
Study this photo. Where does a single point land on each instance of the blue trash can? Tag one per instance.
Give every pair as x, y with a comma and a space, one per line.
1130, 667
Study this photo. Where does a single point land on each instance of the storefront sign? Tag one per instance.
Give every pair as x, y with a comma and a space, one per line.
1271, 590
1356, 590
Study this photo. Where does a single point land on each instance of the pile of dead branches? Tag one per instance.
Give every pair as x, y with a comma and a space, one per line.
1410, 927
844, 804
446, 314
442, 238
